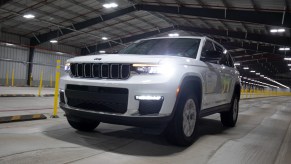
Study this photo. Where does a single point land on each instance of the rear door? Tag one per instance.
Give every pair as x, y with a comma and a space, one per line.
227, 74
212, 77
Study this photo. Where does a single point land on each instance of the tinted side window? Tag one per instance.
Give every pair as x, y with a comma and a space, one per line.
208, 46
224, 60
218, 48
230, 60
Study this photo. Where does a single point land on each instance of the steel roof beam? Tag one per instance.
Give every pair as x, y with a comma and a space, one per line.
263, 17
81, 25
277, 40
3, 2
258, 17
95, 48
229, 45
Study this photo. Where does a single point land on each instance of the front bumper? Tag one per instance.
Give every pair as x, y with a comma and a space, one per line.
136, 86
122, 119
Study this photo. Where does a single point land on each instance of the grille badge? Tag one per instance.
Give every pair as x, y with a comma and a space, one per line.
98, 59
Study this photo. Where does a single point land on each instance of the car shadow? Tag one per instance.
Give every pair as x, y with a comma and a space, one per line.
130, 140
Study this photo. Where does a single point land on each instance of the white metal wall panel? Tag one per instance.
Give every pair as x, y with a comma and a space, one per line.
46, 62
14, 53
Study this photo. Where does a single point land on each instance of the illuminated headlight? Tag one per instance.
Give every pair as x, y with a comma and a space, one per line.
145, 97
67, 67
153, 69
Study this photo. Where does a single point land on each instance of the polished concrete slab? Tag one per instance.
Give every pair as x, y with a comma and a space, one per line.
262, 135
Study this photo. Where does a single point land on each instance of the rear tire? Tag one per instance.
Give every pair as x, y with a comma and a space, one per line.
82, 124
182, 129
229, 118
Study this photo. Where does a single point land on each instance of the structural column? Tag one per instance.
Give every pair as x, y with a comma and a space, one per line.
29, 64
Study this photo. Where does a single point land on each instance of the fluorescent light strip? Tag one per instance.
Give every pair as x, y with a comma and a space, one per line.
277, 30
266, 84
284, 49
276, 81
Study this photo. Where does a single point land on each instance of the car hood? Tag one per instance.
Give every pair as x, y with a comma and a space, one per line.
130, 59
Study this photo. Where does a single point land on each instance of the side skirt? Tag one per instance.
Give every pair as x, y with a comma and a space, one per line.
213, 110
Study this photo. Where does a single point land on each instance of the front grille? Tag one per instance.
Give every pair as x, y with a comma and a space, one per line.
102, 99
100, 70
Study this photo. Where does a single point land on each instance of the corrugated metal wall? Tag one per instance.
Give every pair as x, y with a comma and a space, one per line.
45, 59
15, 53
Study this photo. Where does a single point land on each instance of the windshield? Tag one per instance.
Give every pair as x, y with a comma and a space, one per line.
186, 47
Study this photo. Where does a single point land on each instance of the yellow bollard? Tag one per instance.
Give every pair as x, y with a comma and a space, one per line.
51, 81
7, 79
40, 84
58, 74
12, 78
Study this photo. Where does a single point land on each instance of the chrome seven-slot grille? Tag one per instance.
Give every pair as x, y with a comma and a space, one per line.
100, 70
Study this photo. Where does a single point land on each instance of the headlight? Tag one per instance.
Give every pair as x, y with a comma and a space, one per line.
147, 68
67, 67
165, 69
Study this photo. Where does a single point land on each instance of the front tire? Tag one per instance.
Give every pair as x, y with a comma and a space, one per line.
182, 129
82, 124
229, 118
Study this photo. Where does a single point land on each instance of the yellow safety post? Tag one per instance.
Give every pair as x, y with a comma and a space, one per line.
7, 78
30, 80
12, 78
51, 81
58, 74
40, 84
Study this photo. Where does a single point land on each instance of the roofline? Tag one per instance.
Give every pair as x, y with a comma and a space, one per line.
167, 37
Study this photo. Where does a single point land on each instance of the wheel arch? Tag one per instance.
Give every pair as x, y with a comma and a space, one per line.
194, 85
237, 89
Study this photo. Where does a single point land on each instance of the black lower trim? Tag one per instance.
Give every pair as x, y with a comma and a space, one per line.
142, 121
213, 110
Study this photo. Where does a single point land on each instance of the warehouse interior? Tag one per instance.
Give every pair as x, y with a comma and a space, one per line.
34, 34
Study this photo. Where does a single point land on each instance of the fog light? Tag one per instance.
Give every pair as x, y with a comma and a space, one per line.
148, 97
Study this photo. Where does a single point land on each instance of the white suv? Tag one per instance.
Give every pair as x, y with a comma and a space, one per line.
170, 81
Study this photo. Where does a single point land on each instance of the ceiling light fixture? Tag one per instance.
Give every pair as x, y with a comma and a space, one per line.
246, 68
9, 44
53, 41
257, 73
110, 5
174, 35
236, 64
28, 16
289, 65
102, 52
104, 38
287, 58
284, 49
252, 71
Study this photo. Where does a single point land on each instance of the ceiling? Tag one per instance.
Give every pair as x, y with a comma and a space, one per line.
242, 26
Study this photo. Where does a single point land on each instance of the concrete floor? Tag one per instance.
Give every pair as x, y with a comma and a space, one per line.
262, 135
25, 90
25, 105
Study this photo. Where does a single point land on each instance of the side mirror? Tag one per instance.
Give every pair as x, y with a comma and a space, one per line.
212, 54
